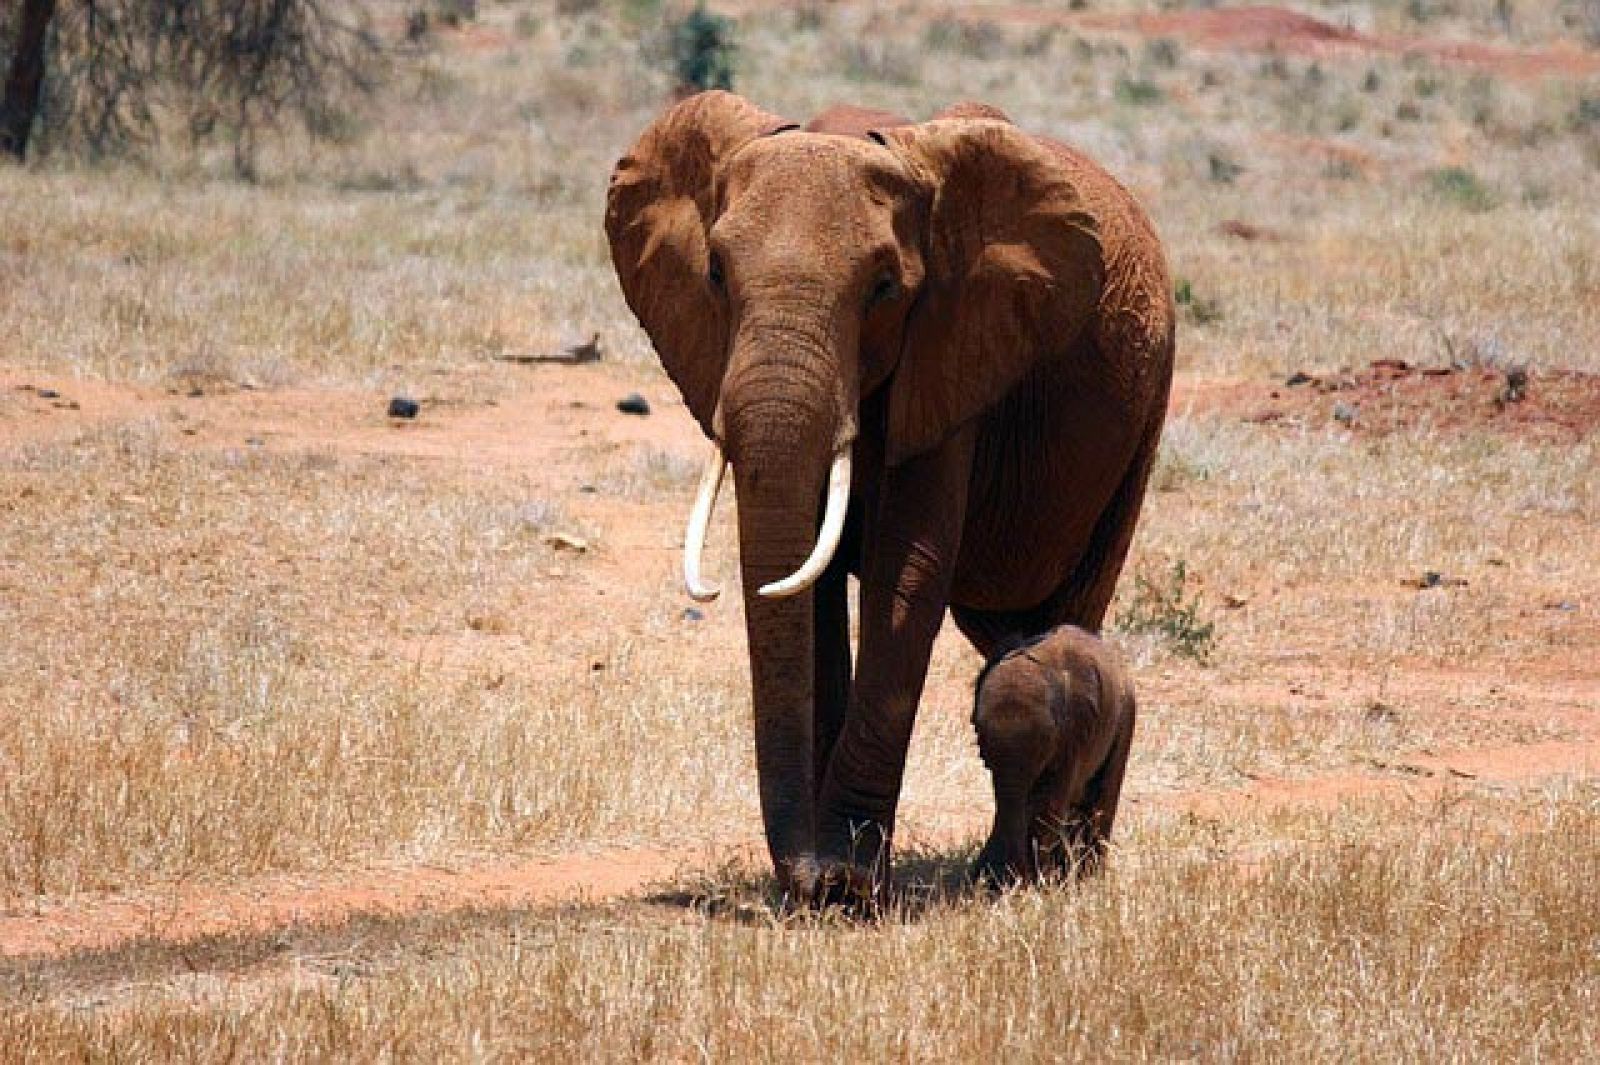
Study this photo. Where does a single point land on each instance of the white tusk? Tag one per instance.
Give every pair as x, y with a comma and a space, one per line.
694, 538
827, 536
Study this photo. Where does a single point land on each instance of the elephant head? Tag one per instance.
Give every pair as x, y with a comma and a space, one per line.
787, 278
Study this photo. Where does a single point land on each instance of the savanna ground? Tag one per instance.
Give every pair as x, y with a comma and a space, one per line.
329, 736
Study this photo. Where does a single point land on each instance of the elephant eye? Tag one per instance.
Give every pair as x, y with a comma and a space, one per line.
714, 272
887, 288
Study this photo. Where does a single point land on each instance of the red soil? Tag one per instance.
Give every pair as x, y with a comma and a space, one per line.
1391, 395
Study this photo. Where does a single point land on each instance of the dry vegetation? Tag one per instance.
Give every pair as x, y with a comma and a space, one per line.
248, 628
1447, 941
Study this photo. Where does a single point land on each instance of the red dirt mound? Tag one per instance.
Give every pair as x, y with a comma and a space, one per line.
1391, 395
1276, 29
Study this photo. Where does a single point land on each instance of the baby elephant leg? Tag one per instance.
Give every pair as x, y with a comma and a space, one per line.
1074, 834
1017, 739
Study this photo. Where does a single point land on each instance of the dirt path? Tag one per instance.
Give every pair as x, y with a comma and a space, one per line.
488, 418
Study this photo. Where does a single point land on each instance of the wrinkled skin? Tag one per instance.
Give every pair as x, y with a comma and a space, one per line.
982, 319
1055, 720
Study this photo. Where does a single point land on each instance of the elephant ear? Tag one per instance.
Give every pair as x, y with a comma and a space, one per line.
660, 204
1013, 274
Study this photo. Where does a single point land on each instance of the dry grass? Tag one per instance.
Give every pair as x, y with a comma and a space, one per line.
247, 683
224, 659
1442, 935
217, 712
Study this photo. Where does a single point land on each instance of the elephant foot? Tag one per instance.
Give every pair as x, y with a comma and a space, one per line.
997, 870
809, 885
799, 880
857, 890
850, 872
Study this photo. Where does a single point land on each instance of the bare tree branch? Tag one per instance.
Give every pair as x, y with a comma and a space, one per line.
121, 75
25, 80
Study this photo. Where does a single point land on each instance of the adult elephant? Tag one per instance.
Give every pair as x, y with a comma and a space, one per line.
937, 356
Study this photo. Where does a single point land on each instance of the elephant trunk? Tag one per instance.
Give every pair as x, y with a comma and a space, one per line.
784, 422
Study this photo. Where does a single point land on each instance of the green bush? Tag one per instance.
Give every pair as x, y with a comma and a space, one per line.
1138, 91
1159, 608
1461, 187
1201, 310
703, 50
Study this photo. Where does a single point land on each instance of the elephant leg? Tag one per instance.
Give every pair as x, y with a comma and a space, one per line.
1097, 812
1017, 748
912, 543
1073, 831
831, 657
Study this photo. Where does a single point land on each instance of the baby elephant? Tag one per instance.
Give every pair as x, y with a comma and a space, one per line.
1055, 719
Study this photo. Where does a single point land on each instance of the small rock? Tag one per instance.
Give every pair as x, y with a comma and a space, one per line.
693, 614
1380, 712
1234, 602
1299, 377
1345, 413
404, 407
1434, 579
1516, 387
1566, 606
633, 403
47, 393
567, 542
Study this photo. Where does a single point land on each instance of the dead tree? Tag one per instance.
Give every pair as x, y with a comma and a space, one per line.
120, 74
25, 77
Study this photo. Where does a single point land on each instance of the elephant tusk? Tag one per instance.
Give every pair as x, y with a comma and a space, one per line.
694, 538
827, 536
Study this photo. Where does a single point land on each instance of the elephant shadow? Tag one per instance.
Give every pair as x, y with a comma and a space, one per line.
926, 879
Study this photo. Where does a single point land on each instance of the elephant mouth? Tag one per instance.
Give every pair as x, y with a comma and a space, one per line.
822, 551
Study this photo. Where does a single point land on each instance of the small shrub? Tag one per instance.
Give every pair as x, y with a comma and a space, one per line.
1138, 91
1341, 170
1460, 186
1222, 169
1275, 67
1420, 11
451, 12
1201, 310
1161, 608
1347, 115
980, 40
1163, 52
702, 51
